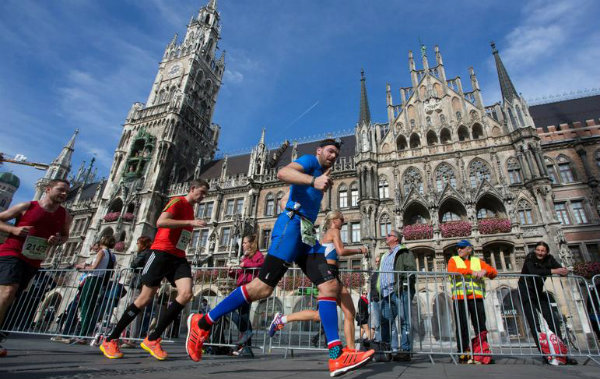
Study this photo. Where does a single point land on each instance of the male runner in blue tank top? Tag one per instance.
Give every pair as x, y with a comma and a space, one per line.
292, 238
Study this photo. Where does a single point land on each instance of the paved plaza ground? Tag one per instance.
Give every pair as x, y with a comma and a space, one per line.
37, 357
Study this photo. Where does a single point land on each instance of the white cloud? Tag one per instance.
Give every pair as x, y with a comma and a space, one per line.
234, 77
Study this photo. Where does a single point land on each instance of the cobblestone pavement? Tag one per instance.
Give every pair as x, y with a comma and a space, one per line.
36, 357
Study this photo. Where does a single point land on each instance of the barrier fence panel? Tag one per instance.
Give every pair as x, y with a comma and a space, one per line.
419, 315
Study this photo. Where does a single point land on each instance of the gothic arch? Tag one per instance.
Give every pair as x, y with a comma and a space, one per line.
479, 170
401, 143
116, 205
412, 178
415, 141
463, 133
445, 136
451, 209
416, 212
456, 104
445, 173
477, 131
490, 206
431, 138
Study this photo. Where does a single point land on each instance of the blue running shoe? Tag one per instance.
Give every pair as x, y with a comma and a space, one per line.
276, 325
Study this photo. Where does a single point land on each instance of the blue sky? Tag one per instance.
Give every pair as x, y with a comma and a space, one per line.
292, 66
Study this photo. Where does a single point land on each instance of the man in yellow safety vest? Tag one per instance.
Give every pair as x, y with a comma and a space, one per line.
468, 291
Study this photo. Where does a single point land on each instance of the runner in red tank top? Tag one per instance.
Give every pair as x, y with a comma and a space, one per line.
39, 225
167, 260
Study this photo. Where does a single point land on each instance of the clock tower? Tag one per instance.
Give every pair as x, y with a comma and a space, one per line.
165, 139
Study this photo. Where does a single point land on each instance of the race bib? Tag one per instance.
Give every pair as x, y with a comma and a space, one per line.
35, 248
184, 239
307, 230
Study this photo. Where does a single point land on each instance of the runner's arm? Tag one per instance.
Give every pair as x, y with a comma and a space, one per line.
340, 248
166, 220
293, 173
12, 213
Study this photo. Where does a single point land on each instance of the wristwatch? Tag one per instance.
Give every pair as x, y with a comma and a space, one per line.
312, 182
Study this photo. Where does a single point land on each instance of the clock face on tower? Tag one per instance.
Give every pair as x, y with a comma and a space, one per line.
174, 70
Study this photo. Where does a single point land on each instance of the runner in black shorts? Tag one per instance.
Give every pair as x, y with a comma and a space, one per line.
293, 238
167, 260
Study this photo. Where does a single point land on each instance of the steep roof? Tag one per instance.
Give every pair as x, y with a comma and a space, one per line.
566, 112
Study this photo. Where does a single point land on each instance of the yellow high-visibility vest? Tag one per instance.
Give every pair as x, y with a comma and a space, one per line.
470, 286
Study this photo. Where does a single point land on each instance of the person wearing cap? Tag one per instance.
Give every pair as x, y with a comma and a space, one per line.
468, 292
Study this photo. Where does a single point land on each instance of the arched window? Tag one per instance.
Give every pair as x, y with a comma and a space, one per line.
514, 171
478, 171
269, 205
551, 170
444, 174
565, 169
445, 136
520, 116
428, 121
463, 133
458, 115
278, 202
415, 141
442, 119
477, 131
412, 123
412, 179
513, 122
384, 189
525, 212
385, 225
343, 196
365, 142
354, 194
401, 143
431, 138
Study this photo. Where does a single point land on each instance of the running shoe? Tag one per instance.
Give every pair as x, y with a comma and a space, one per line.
110, 349
3, 352
154, 348
195, 337
276, 325
348, 361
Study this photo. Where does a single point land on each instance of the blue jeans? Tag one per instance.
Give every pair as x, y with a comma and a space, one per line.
392, 306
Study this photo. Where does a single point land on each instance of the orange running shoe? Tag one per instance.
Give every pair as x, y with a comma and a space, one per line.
154, 348
195, 337
110, 349
348, 361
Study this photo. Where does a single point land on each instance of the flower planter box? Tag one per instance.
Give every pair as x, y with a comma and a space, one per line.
494, 225
417, 232
455, 229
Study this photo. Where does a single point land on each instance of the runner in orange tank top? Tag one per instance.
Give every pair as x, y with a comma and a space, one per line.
39, 225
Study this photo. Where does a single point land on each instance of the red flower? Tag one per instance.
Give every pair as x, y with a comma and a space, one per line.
494, 225
112, 216
120, 246
455, 229
417, 232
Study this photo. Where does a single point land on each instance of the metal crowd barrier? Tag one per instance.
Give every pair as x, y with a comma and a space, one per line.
58, 303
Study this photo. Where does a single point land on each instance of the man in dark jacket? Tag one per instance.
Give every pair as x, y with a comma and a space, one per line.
396, 292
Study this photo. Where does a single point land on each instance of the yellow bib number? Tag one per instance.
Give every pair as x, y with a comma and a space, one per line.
35, 248
184, 239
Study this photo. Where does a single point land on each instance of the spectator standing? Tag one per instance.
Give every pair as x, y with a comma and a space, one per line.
396, 290
362, 317
468, 292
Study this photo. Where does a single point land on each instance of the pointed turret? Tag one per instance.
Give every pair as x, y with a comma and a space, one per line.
59, 168
364, 116
212, 4
440, 63
506, 86
262, 137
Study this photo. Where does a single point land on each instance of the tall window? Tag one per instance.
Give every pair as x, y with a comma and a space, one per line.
424, 262
551, 171
354, 195
266, 239
514, 171
485, 213
343, 196
278, 202
385, 226
525, 213
355, 230
413, 179
344, 233
566, 173
208, 210
478, 171
561, 213
203, 238
229, 207
225, 236
239, 206
444, 174
578, 212
269, 205
384, 190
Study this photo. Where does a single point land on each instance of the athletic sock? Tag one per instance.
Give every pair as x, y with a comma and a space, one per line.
165, 319
232, 302
284, 319
128, 316
328, 313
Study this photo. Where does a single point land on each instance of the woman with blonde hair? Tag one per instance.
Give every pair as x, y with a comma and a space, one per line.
331, 245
